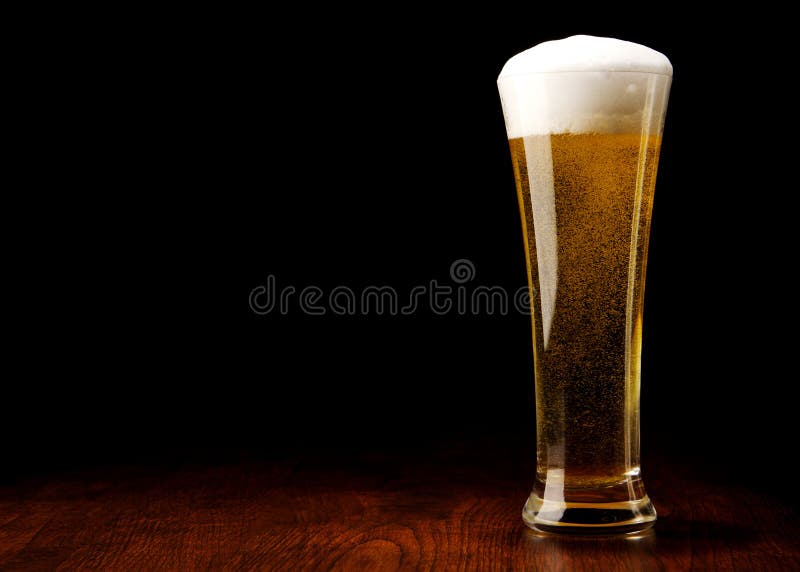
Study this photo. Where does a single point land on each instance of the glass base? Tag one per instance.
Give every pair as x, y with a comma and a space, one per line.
588, 517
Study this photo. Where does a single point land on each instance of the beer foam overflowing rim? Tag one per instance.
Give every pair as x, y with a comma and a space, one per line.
622, 86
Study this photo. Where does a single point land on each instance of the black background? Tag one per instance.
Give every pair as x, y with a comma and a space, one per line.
203, 153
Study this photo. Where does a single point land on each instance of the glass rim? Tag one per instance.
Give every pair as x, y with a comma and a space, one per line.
554, 72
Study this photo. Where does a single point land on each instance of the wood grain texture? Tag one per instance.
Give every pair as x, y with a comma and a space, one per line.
409, 511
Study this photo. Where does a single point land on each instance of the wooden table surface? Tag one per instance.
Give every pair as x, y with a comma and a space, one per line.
438, 510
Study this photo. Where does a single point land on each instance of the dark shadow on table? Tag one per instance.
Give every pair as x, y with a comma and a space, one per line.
703, 532
672, 542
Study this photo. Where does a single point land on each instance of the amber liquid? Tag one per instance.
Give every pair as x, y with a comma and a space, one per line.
586, 203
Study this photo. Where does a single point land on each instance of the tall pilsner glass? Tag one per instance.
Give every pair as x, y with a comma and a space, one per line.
584, 117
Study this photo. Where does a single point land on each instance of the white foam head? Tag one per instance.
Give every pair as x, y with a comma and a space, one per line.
585, 84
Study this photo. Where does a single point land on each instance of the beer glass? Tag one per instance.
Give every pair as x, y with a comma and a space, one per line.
584, 118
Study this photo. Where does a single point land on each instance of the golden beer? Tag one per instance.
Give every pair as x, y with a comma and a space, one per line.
586, 389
